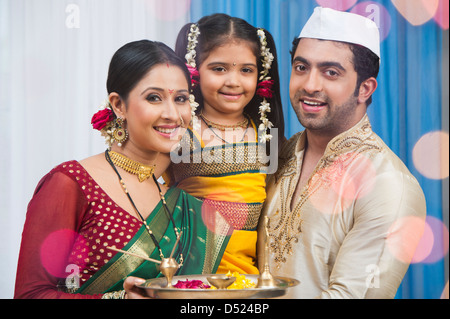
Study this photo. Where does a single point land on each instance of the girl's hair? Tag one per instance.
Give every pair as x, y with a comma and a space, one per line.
219, 29
134, 60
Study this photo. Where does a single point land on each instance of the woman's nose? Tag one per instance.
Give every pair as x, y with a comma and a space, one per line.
170, 111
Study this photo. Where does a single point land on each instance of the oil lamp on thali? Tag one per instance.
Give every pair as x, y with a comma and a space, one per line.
267, 285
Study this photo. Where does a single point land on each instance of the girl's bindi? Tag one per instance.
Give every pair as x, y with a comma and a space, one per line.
171, 91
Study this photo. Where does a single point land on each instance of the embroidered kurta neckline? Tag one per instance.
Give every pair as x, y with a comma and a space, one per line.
285, 224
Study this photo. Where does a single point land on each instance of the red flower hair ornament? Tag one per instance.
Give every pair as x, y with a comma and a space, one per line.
103, 121
265, 89
102, 118
195, 75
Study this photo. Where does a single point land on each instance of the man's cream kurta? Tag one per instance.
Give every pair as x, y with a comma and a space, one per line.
356, 225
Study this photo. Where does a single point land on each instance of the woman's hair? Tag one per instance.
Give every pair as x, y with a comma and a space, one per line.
134, 60
219, 29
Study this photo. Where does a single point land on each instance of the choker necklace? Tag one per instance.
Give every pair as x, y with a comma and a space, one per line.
219, 137
163, 200
142, 171
224, 127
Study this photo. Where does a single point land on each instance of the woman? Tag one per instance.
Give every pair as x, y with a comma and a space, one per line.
82, 212
220, 160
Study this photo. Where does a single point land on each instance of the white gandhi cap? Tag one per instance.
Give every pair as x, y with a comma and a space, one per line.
334, 25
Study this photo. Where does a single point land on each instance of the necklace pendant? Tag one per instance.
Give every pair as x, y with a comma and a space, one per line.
142, 171
143, 176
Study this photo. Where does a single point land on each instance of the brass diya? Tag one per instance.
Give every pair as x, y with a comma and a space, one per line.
221, 281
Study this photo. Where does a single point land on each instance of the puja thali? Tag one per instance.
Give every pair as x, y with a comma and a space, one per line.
156, 288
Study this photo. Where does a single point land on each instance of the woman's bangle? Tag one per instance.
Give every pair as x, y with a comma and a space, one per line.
114, 295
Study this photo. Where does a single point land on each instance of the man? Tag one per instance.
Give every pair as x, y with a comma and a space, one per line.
345, 214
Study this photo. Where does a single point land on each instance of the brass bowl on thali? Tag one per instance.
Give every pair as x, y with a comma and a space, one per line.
157, 288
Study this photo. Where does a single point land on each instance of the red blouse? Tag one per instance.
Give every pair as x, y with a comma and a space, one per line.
70, 221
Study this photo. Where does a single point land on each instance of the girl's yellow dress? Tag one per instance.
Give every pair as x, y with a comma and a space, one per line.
231, 178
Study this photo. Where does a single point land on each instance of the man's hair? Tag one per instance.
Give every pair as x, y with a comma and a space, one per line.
365, 62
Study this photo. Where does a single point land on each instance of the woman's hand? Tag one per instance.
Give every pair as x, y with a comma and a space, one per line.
133, 292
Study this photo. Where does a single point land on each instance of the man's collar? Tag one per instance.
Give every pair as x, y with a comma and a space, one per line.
361, 130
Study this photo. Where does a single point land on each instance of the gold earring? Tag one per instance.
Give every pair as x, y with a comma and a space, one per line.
182, 121
120, 134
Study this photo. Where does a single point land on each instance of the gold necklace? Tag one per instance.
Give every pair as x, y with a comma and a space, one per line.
163, 200
142, 171
224, 127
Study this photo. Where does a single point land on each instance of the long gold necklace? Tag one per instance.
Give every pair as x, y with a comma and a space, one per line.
224, 127
142, 171
111, 162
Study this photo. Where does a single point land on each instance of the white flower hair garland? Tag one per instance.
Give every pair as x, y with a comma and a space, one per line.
190, 58
265, 87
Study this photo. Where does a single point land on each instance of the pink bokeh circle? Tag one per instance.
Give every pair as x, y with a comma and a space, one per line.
54, 251
440, 244
214, 221
404, 236
168, 10
377, 13
342, 5
431, 155
350, 176
417, 12
442, 13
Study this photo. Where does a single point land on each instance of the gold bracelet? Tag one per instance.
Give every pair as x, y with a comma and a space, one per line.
114, 295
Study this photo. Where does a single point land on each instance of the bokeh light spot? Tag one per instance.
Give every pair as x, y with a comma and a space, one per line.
444, 294
214, 221
350, 176
441, 16
341, 5
404, 236
430, 155
55, 249
439, 246
425, 245
377, 13
168, 10
416, 12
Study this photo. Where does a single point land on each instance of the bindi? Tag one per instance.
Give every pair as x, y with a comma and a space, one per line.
171, 91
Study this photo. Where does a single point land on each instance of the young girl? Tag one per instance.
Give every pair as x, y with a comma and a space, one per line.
80, 210
221, 159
